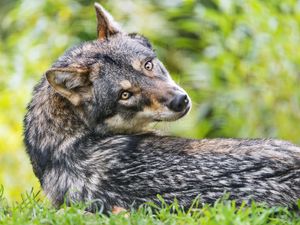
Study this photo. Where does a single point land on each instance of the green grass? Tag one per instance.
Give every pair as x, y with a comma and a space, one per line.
32, 210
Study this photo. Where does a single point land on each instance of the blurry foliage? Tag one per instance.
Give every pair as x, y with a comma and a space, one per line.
238, 60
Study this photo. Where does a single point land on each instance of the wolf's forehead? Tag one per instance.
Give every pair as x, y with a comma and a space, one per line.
117, 50
129, 47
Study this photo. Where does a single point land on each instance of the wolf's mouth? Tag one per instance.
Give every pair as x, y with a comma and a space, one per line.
186, 111
174, 116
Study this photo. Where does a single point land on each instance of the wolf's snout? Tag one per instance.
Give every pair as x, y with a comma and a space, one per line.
179, 103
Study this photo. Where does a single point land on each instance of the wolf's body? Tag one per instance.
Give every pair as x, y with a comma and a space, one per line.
84, 133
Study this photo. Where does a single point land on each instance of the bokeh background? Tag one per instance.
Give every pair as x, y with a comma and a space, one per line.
239, 61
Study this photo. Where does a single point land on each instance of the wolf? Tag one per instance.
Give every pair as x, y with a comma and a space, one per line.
86, 133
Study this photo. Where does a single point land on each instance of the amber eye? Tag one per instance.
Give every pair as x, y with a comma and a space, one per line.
148, 65
125, 95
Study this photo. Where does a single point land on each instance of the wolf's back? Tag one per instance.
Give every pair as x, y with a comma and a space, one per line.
130, 170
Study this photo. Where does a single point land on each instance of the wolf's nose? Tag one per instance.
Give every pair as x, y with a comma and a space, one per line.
179, 103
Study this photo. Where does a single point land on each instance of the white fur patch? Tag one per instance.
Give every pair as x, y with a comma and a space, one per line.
125, 84
118, 124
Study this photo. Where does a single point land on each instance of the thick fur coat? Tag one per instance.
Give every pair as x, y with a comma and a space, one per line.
86, 135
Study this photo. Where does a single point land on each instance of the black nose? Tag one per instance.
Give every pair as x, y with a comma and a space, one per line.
179, 103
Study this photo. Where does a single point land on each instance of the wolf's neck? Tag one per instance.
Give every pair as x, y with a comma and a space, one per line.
51, 121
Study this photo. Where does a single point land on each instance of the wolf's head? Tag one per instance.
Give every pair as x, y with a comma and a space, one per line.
117, 81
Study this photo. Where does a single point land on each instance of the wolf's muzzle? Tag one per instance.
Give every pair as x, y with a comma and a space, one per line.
179, 103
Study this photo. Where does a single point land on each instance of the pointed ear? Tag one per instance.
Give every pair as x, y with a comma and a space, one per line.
72, 83
106, 26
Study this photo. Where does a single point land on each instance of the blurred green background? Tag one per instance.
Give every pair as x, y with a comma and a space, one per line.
238, 60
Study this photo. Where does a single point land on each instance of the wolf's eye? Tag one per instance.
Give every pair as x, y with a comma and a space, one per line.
125, 95
148, 65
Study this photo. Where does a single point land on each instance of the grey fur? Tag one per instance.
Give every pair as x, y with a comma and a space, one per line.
88, 144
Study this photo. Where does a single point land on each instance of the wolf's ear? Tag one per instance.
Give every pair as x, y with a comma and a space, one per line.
106, 26
71, 83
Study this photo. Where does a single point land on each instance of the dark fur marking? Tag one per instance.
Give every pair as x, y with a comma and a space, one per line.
105, 58
143, 40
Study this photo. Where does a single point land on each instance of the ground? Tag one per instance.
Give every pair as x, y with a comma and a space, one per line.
33, 210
